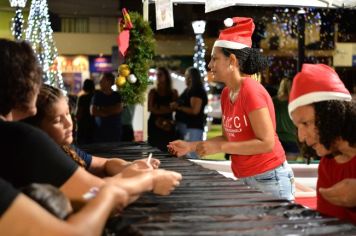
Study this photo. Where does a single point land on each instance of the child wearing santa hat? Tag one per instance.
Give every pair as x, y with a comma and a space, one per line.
321, 108
248, 116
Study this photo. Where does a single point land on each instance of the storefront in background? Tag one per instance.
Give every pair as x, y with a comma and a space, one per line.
75, 69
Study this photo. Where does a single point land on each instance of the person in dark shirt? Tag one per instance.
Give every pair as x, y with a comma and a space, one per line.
161, 128
190, 116
106, 107
85, 121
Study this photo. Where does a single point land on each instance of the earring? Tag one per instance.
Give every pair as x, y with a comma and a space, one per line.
230, 67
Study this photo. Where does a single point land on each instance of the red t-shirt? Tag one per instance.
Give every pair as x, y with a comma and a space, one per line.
237, 127
329, 173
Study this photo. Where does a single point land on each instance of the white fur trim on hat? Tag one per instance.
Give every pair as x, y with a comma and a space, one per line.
310, 98
229, 44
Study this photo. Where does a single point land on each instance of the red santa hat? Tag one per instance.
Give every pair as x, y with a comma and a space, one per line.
238, 35
316, 83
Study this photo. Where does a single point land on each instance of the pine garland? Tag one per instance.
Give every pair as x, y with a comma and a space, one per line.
138, 58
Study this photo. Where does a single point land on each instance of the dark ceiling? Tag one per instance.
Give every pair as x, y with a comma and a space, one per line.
84, 7
184, 14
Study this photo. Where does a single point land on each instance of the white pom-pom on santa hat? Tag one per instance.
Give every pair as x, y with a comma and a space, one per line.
228, 22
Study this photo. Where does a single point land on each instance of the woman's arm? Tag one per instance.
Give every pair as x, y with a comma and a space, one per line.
107, 167
136, 180
341, 193
104, 111
79, 183
195, 106
25, 217
111, 166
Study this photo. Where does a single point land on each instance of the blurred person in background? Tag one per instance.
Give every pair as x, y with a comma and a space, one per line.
85, 121
190, 117
106, 107
161, 127
285, 128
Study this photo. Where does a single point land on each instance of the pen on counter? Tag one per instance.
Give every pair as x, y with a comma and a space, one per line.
149, 158
91, 193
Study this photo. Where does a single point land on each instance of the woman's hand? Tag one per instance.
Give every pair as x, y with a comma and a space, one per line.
164, 181
179, 148
341, 194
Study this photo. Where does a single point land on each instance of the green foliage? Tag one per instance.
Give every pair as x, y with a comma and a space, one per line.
138, 58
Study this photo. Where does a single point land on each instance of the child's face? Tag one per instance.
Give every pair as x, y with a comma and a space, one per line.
58, 123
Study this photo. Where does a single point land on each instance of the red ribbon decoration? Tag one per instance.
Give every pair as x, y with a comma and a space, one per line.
125, 25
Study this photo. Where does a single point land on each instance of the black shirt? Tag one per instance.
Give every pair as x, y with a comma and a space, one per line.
28, 155
7, 195
192, 121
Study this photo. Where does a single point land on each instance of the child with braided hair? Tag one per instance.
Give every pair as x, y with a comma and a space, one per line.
54, 118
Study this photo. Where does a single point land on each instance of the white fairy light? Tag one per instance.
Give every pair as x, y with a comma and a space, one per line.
39, 33
18, 3
199, 55
17, 21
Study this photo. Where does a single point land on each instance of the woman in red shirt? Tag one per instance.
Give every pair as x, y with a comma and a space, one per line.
248, 117
322, 110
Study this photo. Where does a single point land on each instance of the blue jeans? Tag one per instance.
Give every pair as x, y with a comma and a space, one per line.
189, 134
279, 182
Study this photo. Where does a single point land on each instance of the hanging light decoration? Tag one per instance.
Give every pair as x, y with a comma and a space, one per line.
199, 55
17, 21
39, 33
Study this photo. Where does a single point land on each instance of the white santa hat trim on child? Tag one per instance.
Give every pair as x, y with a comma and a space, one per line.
316, 83
237, 36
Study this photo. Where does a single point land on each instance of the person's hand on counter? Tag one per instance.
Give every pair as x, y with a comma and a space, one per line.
341, 194
179, 148
165, 181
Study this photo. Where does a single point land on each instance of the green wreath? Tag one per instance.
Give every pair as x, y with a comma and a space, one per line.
138, 58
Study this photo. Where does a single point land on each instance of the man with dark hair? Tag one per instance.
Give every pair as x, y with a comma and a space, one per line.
106, 106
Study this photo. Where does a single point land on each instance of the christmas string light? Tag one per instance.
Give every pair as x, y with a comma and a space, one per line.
17, 24
199, 55
39, 33
17, 21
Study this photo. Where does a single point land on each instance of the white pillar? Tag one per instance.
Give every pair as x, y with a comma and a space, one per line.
145, 107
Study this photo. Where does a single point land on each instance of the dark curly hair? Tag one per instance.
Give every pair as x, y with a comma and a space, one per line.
251, 61
20, 74
49, 197
336, 119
